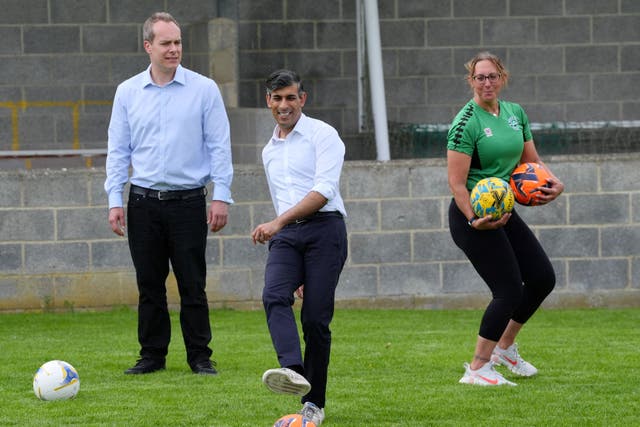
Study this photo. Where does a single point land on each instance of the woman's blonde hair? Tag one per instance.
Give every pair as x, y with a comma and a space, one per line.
486, 56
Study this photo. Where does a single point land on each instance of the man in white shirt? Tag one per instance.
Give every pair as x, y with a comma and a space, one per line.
170, 126
307, 241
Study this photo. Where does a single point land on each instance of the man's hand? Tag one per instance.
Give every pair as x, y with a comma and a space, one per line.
117, 221
218, 215
264, 232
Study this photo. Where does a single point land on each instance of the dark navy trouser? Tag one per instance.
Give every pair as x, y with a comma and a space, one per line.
162, 232
312, 254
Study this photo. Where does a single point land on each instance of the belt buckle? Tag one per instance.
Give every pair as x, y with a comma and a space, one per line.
160, 194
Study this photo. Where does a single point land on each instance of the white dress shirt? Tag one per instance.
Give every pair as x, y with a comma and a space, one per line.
310, 158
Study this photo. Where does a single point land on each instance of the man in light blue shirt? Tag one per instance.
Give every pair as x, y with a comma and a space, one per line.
307, 242
169, 125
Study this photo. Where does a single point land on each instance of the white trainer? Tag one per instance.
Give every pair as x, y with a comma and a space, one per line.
485, 376
512, 360
312, 413
285, 380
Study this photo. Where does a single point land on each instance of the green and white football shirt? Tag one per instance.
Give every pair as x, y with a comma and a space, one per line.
495, 143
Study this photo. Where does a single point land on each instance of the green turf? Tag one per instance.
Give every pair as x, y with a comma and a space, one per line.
388, 368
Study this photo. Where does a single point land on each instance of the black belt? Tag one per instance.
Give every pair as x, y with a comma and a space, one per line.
168, 194
317, 215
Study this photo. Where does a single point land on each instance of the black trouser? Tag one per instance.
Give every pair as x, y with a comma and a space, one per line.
162, 232
310, 253
512, 263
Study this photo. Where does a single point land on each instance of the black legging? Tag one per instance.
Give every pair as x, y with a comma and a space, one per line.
512, 263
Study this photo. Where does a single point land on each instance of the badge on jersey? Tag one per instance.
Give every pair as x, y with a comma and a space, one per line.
514, 124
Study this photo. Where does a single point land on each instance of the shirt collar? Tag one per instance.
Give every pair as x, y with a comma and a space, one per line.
301, 127
179, 77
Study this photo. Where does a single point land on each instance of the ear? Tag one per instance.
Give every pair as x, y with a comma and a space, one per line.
470, 81
303, 99
147, 46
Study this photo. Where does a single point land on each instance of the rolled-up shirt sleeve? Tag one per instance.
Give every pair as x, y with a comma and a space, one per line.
330, 152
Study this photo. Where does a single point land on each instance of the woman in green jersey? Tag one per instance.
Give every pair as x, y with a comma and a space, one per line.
489, 137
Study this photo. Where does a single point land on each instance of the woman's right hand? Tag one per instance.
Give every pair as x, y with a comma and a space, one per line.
487, 223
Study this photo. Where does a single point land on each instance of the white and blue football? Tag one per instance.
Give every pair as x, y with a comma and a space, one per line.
56, 380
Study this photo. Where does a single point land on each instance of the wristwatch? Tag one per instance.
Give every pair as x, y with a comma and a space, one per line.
470, 222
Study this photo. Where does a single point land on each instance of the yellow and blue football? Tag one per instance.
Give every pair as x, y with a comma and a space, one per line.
492, 196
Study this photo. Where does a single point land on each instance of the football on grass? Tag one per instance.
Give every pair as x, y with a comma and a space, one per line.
56, 380
294, 420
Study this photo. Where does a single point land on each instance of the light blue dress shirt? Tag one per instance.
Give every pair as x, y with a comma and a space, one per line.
310, 158
174, 137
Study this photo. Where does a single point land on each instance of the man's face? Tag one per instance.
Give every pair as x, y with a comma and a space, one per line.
165, 51
286, 105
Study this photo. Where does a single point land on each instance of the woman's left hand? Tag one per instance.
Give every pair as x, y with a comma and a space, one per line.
551, 192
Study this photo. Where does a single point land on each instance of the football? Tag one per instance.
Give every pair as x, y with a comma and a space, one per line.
525, 181
491, 196
56, 380
294, 420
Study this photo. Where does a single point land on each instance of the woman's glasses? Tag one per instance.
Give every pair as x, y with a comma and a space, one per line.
481, 78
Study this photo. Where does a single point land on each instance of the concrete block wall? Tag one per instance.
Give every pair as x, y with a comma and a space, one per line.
62, 60
57, 251
571, 60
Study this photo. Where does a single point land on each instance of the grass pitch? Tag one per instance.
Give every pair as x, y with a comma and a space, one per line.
388, 368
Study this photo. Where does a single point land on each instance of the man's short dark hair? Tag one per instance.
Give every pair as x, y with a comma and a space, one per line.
283, 78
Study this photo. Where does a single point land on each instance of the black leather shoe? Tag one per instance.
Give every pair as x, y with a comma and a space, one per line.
146, 366
204, 368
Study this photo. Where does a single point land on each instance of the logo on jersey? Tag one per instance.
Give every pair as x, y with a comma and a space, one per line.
514, 123
487, 131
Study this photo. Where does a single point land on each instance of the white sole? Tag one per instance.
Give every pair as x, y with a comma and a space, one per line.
280, 382
481, 383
